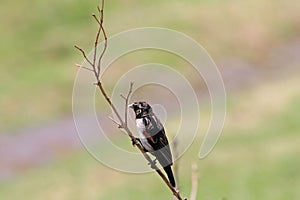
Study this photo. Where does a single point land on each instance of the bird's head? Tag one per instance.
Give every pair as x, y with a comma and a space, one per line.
140, 108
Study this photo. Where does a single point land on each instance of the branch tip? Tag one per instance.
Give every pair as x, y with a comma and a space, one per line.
114, 121
193, 195
123, 97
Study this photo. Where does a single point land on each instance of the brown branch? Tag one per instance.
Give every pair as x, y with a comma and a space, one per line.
121, 124
123, 97
97, 71
101, 11
80, 66
104, 49
126, 101
100, 22
103, 92
114, 121
84, 55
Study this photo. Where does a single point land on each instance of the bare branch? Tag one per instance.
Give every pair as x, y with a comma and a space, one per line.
101, 11
103, 51
97, 71
103, 92
84, 55
100, 22
122, 96
80, 66
121, 124
126, 101
194, 182
114, 121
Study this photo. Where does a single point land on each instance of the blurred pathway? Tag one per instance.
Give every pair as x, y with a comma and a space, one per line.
40, 145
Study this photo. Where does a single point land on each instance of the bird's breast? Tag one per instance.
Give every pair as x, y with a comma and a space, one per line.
141, 130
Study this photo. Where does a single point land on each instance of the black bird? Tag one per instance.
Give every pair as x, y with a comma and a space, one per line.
153, 137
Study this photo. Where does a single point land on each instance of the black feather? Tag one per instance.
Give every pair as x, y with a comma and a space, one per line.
163, 154
170, 175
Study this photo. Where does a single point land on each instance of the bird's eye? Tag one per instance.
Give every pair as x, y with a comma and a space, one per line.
138, 111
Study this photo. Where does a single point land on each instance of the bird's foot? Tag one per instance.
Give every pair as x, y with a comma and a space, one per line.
134, 142
138, 141
153, 164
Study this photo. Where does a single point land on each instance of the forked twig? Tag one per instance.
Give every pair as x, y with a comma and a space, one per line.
122, 124
101, 28
97, 71
126, 98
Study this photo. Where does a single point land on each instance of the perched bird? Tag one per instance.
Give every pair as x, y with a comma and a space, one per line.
152, 136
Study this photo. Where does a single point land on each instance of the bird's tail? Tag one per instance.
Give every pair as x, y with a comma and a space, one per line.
170, 175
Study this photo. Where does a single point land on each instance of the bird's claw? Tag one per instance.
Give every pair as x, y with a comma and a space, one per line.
153, 164
134, 142
138, 141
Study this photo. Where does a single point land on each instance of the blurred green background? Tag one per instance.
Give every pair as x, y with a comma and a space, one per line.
256, 45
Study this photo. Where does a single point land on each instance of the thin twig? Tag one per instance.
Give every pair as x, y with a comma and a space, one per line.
103, 92
114, 121
104, 35
84, 55
97, 20
123, 97
97, 72
194, 182
101, 11
126, 101
80, 66
100, 22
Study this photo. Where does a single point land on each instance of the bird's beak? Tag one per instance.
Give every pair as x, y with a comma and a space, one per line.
130, 106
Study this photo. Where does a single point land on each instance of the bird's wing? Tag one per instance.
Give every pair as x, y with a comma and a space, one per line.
161, 147
157, 139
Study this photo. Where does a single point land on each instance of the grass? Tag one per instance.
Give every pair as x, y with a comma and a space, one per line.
257, 155
255, 162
